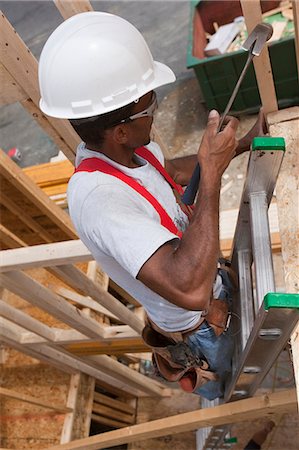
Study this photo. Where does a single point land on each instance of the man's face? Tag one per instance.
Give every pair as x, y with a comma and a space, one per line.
139, 128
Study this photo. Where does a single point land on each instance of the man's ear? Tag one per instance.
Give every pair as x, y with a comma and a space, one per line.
120, 135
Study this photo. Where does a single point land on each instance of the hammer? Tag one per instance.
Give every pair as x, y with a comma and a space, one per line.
254, 45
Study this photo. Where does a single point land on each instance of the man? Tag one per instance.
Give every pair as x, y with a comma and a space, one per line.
97, 71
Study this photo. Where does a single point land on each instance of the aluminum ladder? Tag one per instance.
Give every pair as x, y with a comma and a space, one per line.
262, 319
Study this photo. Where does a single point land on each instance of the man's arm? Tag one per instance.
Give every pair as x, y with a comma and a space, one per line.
183, 271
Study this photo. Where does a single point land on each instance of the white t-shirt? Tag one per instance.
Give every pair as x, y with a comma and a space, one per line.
122, 229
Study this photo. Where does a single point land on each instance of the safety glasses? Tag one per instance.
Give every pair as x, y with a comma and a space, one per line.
149, 111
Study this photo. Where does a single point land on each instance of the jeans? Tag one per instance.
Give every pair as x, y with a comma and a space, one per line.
217, 351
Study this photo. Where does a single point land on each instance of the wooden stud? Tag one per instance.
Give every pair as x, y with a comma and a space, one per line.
33, 400
68, 424
243, 410
253, 15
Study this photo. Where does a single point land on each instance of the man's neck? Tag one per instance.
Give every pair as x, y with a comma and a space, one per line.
118, 153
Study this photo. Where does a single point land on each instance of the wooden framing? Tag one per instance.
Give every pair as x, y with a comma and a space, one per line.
83, 350
239, 411
34, 401
253, 15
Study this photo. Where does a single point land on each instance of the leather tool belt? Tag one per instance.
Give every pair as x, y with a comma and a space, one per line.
173, 358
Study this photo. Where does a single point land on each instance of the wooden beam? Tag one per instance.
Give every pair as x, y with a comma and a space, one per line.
69, 8
79, 281
116, 404
71, 364
10, 239
44, 255
235, 412
21, 214
82, 300
121, 372
33, 400
72, 399
23, 67
40, 296
118, 347
15, 175
24, 320
262, 65
10, 92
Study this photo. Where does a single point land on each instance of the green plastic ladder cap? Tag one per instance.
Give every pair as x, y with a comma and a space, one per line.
268, 143
278, 300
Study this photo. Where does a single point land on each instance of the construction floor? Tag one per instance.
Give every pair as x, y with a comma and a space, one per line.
181, 120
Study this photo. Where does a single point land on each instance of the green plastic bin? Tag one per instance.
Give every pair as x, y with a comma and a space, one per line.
217, 75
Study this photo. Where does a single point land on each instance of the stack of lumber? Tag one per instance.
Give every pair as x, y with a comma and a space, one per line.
115, 413
52, 178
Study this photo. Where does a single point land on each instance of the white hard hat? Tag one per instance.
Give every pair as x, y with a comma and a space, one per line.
94, 63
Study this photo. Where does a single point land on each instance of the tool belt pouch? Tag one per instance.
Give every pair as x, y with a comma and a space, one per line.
217, 315
174, 359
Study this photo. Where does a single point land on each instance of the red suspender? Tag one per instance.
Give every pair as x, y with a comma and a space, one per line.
93, 164
148, 156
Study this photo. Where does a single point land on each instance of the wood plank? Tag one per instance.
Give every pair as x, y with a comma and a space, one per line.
284, 115
24, 217
81, 300
72, 400
121, 372
104, 420
88, 396
24, 320
79, 281
116, 404
67, 363
243, 410
262, 65
33, 400
11, 172
40, 296
111, 413
10, 239
23, 67
118, 347
45, 255
50, 174
70, 8
10, 92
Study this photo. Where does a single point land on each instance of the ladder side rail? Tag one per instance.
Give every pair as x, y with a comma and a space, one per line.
261, 247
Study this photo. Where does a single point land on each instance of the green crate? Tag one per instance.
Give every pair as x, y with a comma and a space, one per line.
217, 75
